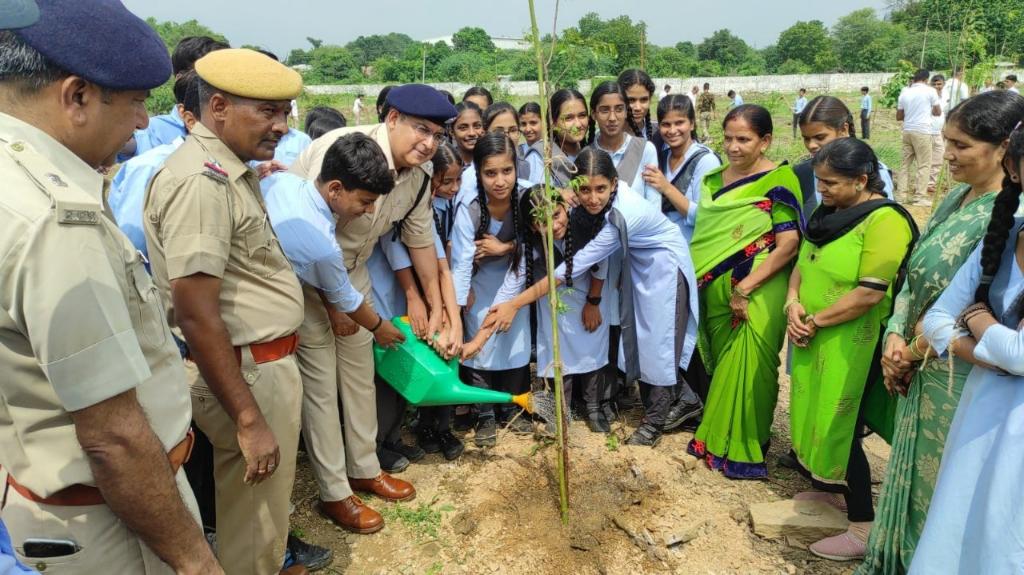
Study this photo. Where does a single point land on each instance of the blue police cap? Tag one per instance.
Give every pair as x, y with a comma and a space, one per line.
18, 13
421, 101
101, 41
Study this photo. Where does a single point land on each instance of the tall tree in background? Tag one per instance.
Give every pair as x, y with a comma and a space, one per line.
471, 39
864, 43
724, 48
366, 49
998, 24
809, 44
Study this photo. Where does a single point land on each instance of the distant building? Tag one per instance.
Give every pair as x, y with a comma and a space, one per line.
500, 42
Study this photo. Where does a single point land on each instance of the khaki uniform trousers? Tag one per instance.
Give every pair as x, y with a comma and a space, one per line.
705, 126
938, 153
917, 150
333, 366
252, 520
107, 545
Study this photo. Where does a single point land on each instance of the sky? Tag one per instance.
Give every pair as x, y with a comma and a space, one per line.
281, 26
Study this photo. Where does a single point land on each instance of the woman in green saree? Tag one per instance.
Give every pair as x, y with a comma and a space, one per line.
746, 236
840, 297
976, 134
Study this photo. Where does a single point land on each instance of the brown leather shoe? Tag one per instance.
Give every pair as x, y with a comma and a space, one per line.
352, 514
385, 487
295, 570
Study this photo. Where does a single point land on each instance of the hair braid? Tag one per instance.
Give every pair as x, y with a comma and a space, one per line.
438, 226
570, 251
648, 127
516, 223
1003, 209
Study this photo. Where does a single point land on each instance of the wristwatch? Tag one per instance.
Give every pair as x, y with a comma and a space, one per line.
594, 300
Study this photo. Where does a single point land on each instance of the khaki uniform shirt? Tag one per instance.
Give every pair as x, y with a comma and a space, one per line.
204, 214
81, 322
706, 102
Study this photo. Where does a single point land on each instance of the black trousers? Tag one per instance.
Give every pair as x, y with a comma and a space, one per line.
865, 124
857, 493
588, 386
514, 381
390, 413
437, 418
796, 125
657, 400
199, 471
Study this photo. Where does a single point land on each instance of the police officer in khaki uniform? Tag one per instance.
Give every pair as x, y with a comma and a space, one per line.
94, 408
233, 298
341, 357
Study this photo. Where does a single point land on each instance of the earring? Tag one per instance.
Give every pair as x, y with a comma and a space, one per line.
860, 188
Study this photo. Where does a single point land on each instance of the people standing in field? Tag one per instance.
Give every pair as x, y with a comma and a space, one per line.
1010, 82
798, 107
735, 99
746, 237
706, 109
938, 82
977, 131
916, 106
866, 112
693, 95
665, 91
357, 109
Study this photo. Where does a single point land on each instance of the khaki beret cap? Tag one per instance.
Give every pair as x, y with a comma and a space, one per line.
249, 74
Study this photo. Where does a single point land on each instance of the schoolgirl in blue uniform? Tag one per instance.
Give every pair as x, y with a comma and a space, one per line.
483, 251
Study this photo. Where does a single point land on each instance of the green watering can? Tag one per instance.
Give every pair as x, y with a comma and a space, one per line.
424, 378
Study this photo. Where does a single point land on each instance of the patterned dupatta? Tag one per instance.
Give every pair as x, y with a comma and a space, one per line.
735, 221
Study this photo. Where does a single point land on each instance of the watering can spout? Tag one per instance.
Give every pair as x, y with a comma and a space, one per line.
524, 400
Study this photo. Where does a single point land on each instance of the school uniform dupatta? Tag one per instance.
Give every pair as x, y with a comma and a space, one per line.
734, 234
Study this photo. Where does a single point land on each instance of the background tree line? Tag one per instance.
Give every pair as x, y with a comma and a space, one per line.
935, 34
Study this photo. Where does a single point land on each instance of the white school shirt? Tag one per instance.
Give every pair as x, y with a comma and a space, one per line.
704, 165
389, 256
917, 102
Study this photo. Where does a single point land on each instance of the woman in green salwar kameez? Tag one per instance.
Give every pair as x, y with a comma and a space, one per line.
840, 297
976, 132
746, 236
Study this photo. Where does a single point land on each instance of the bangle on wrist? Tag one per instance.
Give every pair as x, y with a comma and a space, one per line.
380, 320
789, 304
738, 292
811, 320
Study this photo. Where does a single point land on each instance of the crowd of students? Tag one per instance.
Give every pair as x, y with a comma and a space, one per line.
259, 264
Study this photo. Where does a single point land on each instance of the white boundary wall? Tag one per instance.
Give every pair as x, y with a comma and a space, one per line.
815, 83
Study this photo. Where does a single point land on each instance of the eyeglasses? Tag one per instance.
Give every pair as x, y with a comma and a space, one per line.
425, 133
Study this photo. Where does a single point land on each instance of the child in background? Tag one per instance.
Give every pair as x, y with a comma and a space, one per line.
480, 96
639, 90
529, 126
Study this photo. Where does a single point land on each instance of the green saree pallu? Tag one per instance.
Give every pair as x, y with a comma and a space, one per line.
924, 416
829, 375
735, 232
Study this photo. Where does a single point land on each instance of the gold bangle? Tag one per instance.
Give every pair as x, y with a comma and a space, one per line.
736, 291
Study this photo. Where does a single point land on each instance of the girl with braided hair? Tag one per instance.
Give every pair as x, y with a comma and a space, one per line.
581, 329
974, 524
613, 221
639, 89
569, 122
483, 250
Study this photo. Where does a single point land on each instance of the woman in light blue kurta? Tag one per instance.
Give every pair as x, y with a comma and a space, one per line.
659, 292
481, 255
975, 522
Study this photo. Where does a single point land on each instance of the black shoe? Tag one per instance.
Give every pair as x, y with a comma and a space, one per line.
451, 446
411, 452
609, 412
646, 434
691, 425
464, 421
789, 460
391, 461
597, 423
486, 432
312, 556
428, 440
681, 412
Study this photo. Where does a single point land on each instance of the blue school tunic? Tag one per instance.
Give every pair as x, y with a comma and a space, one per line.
658, 252
582, 351
162, 129
389, 256
649, 157
508, 350
704, 165
290, 146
